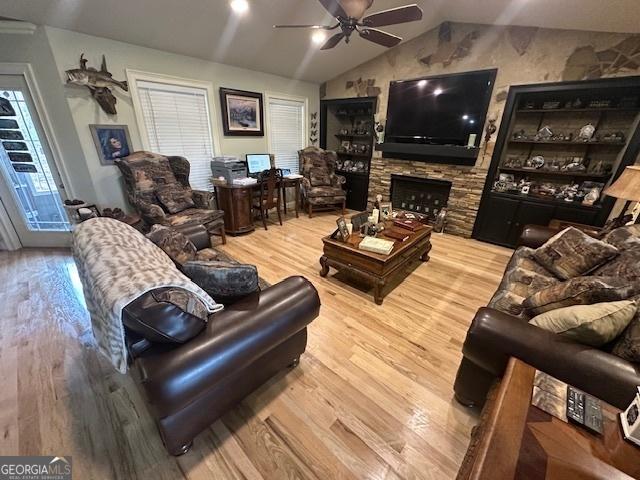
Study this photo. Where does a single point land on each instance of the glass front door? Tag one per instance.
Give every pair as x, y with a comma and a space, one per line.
29, 187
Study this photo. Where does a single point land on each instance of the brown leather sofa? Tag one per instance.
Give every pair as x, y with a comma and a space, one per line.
495, 336
191, 385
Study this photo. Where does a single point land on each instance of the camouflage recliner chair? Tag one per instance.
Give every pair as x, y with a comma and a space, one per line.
158, 188
321, 186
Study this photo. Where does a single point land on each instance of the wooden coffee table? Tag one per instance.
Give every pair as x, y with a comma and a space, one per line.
371, 267
516, 440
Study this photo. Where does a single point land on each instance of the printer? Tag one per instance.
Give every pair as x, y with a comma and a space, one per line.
228, 167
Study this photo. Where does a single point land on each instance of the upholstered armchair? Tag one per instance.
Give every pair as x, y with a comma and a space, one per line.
321, 186
159, 190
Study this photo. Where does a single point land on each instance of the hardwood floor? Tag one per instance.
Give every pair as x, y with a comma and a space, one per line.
371, 398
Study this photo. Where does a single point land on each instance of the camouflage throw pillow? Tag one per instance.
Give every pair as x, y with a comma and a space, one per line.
626, 265
225, 282
624, 237
179, 248
175, 198
581, 291
572, 253
319, 177
509, 302
628, 344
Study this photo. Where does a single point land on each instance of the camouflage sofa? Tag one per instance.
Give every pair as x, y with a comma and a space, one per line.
158, 188
321, 187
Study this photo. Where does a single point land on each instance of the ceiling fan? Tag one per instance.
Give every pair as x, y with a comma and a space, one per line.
349, 15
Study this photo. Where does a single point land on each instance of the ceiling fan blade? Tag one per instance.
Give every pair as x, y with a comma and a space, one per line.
381, 38
334, 8
316, 27
333, 41
393, 16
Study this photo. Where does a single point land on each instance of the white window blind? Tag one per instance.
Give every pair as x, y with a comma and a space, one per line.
177, 122
286, 131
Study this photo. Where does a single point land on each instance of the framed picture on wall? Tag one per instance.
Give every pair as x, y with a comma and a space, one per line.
242, 113
111, 141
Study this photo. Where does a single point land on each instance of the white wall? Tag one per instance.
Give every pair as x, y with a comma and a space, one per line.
67, 47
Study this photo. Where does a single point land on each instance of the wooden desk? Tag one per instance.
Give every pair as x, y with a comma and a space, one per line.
236, 201
516, 440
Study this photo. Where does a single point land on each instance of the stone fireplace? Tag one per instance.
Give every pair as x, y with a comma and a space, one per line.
466, 184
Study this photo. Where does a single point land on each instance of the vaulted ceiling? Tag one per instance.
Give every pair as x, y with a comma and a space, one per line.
210, 30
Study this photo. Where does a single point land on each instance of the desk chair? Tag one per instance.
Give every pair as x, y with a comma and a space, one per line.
269, 194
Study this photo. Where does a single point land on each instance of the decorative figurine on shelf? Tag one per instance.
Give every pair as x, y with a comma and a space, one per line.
544, 134
536, 162
524, 186
500, 186
591, 197
570, 192
520, 135
586, 132
575, 165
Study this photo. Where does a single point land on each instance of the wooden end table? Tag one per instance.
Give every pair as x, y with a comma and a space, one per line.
516, 440
374, 268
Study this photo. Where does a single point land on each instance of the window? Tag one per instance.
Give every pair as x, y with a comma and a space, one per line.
176, 121
287, 131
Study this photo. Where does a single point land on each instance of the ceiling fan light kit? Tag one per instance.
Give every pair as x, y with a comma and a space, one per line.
350, 17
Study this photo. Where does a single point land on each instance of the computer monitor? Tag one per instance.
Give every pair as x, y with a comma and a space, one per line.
258, 162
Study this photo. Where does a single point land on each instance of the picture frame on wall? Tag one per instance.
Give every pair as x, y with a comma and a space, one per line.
111, 141
242, 113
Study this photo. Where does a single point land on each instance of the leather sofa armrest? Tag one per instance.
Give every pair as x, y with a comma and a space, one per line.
234, 338
495, 336
534, 236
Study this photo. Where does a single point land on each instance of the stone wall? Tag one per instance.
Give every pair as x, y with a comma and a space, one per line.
466, 188
522, 55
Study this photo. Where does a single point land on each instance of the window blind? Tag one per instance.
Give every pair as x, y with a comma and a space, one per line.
286, 131
177, 122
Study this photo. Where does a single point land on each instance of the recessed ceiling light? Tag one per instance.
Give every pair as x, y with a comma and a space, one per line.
318, 36
239, 6
422, 83
472, 121
465, 117
437, 91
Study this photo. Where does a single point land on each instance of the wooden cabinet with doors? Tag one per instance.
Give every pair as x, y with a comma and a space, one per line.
558, 142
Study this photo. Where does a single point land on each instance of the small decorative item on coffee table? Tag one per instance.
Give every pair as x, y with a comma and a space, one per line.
375, 268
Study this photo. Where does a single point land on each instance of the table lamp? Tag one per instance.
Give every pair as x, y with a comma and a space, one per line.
626, 187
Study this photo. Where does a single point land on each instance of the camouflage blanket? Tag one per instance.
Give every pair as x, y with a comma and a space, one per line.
117, 264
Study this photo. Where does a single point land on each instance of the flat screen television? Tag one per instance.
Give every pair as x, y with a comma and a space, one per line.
441, 110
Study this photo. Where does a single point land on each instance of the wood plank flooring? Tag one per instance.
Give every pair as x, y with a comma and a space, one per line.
371, 398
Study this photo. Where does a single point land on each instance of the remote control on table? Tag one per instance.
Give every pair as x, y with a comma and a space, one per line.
584, 410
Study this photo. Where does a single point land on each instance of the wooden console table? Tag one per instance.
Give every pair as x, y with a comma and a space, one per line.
375, 268
516, 440
236, 202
